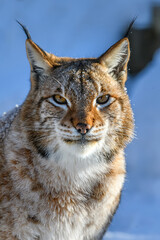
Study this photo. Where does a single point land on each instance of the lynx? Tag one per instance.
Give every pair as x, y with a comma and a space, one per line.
62, 165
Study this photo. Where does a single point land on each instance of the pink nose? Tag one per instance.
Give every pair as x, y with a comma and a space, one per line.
83, 128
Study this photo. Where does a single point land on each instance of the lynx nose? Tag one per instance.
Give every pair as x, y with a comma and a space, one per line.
83, 128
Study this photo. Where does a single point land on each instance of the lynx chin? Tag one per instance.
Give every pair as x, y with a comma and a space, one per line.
62, 165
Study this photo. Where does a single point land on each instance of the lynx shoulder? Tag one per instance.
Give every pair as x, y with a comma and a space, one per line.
62, 164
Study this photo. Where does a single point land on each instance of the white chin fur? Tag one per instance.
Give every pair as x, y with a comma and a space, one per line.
81, 150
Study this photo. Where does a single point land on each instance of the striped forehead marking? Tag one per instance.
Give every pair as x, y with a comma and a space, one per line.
81, 82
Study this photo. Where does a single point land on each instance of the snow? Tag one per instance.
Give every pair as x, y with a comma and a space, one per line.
6, 120
86, 29
125, 236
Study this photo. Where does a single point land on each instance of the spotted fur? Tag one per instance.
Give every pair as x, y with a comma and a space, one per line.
56, 183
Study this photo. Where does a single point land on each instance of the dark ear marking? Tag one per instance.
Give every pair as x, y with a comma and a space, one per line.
28, 35
24, 29
130, 27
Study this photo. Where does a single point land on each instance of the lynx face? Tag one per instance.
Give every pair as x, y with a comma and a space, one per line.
78, 106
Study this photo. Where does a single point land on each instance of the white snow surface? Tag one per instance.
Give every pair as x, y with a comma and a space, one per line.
87, 28
126, 236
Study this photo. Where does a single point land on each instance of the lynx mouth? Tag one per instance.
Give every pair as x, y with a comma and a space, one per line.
81, 141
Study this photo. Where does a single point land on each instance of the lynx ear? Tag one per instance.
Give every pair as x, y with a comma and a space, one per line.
39, 60
116, 60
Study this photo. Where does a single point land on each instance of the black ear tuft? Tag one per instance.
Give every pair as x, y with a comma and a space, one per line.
25, 30
130, 27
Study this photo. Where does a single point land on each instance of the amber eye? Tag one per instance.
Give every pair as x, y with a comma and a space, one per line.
103, 99
59, 99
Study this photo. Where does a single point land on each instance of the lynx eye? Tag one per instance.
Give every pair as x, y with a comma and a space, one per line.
59, 99
103, 99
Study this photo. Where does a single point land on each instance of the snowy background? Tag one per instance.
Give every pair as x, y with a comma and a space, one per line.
87, 28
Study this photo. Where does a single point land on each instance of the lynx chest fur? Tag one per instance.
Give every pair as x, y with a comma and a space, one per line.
62, 162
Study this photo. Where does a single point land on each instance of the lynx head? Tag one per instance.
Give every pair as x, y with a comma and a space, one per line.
78, 106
